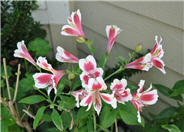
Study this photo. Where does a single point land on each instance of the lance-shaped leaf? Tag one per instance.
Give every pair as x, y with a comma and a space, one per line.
38, 116
32, 99
56, 119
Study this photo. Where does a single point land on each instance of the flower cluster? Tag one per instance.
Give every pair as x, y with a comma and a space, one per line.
94, 86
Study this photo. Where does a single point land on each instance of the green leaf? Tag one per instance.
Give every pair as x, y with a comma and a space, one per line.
56, 119
9, 71
67, 102
102, 60
82, 113
40, 46
171, 128
66, 119
178, 88
167, 91
25, 85
38, 116
90, 125
128, 114
107, 117
32, 99
166, 113
163, 89
76, 84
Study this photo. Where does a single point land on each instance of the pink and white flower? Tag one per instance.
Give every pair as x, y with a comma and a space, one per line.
22, 52
119, 92
43, 80
42, 63
64, 56
151, 59
94, 95
75, 27
79, 95
141, 99
90, 70
112, 32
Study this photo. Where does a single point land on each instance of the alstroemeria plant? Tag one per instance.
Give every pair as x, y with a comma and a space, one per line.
93, 90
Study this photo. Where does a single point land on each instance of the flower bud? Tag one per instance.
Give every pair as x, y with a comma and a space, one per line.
71, 76
138, 48
52, 106
80, 39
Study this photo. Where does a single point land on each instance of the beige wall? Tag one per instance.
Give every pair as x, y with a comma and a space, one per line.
140, 22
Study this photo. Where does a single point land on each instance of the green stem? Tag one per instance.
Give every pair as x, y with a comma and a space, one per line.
26, 66
114, 73
94, 121
88, 43
42, 93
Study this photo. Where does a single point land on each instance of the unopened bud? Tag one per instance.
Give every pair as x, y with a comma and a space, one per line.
138, 48
71, 76
80, 40
52, 106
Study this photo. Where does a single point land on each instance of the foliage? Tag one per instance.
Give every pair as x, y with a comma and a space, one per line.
18, 24
172, 118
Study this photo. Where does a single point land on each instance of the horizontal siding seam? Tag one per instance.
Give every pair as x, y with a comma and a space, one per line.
153, 19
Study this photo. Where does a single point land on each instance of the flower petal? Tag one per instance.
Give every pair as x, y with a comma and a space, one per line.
87, 100
109, 99
150, 97
159, 64
119, 85
141, 86
88, 64
42, 80
97, 103
112, 32
64, 56
69, 31
22, 52
97, 84
42, 62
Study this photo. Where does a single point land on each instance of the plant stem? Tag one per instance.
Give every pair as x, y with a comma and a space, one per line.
6, 76
25, 62
116, 126
114, 73
94, 121
17, 83
42, 92
88, 43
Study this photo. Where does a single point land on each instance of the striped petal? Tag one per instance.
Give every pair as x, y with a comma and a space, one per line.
22, 52
88, 64
64, 56
42, 62
112, 32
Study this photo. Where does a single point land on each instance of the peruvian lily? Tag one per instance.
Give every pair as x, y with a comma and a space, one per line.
42, 63
88, 66
94, 95
112, 32
43, 80
75, 27
22, 52
140, 98
79, 95
64, 56
151, 59
119, 92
